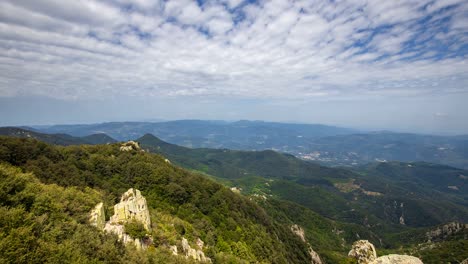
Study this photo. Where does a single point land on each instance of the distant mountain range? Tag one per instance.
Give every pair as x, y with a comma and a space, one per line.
57, 139
333, 146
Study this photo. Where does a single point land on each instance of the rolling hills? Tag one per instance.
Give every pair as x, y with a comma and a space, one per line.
364, 196
331, 146
56, 139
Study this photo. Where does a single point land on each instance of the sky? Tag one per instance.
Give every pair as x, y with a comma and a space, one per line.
369, 64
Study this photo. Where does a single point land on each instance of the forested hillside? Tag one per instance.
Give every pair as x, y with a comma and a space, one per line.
330, 205
364, 196
183, 203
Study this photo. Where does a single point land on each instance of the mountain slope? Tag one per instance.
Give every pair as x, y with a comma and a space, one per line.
340, 194
42, 223
183, 203
56, 139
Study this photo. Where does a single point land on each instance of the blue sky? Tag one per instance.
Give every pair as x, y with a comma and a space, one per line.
397, 65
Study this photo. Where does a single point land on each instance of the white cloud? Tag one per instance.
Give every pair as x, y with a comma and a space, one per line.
274, 49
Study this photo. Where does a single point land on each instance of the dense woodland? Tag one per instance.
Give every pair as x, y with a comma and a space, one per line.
233, 227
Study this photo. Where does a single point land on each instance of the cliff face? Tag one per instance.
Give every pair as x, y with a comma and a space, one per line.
132, 207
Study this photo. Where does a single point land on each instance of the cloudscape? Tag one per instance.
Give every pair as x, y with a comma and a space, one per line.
356, 63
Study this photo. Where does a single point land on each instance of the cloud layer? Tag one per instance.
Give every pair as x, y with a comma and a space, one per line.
245, 49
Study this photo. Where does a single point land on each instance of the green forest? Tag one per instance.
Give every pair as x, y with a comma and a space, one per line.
48, 191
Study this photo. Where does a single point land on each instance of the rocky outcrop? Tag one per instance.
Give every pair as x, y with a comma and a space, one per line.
299, 231
129, 146
365, 253
97, 217
196, 254
314, 256
132, 207
446, 230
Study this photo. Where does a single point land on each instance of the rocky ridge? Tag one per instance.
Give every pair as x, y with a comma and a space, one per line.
446, 230
132, 207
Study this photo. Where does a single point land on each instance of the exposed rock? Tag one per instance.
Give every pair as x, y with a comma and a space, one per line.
315, 256
200, 243
365, 253
174, 250
167, 161
402, 220
299, 231
119, 230
397, 259
129, 146
446, 230
196, 254
132, 206
236, 190
97, 217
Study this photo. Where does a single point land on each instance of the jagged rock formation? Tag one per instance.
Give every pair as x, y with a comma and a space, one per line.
299, 231
129, 146
196, 254
365, 253
446, 230
132, 206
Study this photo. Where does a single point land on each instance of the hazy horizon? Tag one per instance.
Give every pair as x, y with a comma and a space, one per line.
399, 66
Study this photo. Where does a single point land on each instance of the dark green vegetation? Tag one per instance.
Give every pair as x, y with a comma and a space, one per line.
48, 224
378, 194
57, 139
326, 144
396, 202
232, 226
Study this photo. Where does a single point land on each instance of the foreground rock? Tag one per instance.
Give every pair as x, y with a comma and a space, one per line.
365, 253
132, 207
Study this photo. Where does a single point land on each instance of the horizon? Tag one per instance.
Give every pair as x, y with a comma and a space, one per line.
357, 130
373, 65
